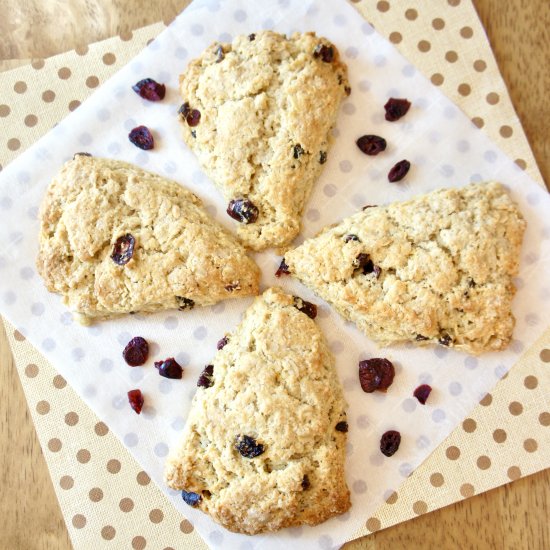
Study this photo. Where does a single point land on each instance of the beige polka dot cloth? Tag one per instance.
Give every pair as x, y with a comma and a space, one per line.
103, 493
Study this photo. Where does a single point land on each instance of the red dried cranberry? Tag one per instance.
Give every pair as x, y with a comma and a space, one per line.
243, 210
399, 171
376, 374
206, 378
445, 340
136, 400
306, 484
305, 307
371, 145
282, 269
81, 155
169, 368
422, 393
351, 237
396, 108
185, 303
219, 54
322, 157
136, 351
361, 261
326, 53
342, 426
389, 443
193, 117
192, 499
298, 151
248, 446
141, 137
123, 249
150, 89
222, 343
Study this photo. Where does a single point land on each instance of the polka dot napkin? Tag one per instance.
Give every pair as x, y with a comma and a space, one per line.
101, 500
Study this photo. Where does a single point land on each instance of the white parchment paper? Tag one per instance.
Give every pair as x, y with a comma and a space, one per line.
445, 150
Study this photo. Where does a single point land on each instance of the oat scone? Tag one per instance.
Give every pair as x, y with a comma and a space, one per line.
258, 114
435, 269
264, 443
116, 239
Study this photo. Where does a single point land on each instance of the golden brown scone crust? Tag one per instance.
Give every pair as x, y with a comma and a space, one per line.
447, 260
275, 381
259, 100
179, 250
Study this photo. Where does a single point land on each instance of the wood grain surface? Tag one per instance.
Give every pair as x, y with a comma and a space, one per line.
511, 517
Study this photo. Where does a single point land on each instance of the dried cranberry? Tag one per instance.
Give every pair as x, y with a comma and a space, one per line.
185, 303
169, 368
222, 343
389, 443
282, 269
306, 484
322, 157
421, 338
150, 89
371, 145
123, 249
361, 260
193, 117
192, 499
141, 137
396, 108
298, 151
248, 446
342, 426
422, 393
376, 374
326, 53
136, 400
184, 110
305, 307
399, 171
252, 37
351, 237
445, 340
243, 210
233, 286
136, 351
81, 155
206, 378
219, 54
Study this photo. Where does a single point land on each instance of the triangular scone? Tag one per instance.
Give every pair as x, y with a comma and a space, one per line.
435, 269
264, 444
96, 210
258, 114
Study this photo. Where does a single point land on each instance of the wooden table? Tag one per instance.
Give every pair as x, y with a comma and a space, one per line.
514, 516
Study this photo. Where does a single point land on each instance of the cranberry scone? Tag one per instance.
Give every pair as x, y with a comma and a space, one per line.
264, 443
434, 269
116, 239
258, 113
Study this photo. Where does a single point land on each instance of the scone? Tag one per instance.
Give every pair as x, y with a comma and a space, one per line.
264, 443
116, 239
258, 114
435, 269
